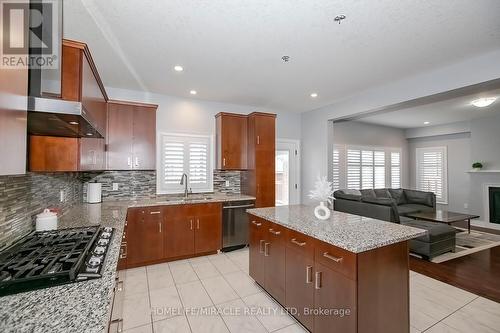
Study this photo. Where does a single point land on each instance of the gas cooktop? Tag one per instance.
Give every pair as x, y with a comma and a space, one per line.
50, 258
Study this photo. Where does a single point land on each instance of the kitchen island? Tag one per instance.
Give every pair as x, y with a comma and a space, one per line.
345, 274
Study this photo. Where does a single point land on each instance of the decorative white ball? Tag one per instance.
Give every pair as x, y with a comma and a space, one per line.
321, 211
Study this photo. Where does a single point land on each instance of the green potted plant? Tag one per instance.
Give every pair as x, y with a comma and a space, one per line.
476, 166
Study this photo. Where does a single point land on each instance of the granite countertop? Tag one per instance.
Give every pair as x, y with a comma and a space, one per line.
82, 306
350, 232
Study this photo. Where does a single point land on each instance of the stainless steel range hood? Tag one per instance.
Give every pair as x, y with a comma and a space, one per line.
57, 117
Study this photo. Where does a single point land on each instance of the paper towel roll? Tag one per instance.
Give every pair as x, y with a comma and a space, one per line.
94, 192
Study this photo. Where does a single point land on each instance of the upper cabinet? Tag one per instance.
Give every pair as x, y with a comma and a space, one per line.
80, 82
231, 138
131, 138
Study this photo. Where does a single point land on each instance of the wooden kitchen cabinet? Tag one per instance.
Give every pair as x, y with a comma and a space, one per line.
260, 181
208, 231
231, 138
145, 236
131, 139
341, 291
54, 154
179, 227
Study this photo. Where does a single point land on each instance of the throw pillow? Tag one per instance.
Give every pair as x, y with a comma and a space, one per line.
398, 194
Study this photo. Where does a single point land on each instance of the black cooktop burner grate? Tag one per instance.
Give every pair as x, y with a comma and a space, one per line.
44, 259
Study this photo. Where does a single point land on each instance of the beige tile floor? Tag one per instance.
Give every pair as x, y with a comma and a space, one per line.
214, 294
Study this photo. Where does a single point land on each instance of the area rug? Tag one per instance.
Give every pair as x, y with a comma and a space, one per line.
469, 243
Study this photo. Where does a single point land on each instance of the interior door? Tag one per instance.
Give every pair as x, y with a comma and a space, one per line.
287, 173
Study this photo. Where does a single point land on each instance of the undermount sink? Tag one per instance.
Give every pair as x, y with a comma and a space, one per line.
182, 199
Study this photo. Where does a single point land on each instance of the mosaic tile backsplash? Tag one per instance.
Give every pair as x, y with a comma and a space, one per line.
22, 197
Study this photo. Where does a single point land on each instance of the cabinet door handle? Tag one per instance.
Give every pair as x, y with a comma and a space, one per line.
257, 223
191, 221
261, 247
159, 226
317, 284
294, 241
129, 161
274, 232
197, 223
329, 256
123, 250
309, 273
153, 213
266, 249
258, 139
224, 161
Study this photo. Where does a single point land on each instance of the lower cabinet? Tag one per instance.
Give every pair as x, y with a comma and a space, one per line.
318, 283
162, 233
144, 236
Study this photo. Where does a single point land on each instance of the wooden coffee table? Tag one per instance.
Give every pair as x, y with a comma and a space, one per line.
443, 216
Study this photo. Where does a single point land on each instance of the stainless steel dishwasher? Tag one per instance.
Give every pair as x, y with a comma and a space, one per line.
235, 224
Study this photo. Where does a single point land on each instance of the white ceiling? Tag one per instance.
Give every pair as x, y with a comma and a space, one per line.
439, 113
231, 50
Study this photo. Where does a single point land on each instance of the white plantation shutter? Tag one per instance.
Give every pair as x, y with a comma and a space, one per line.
336, 169
432, 172
365, 168
395, 169
188, 154
379, 169
353, 169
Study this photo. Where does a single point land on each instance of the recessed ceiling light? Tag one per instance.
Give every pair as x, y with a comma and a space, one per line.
178, 68
426, 123
483, 102
314, 95
73, 123
193, 92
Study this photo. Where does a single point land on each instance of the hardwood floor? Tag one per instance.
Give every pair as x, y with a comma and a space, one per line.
477, 272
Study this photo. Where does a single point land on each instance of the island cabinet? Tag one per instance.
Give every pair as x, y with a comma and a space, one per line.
231, 138
163, 233
327, 288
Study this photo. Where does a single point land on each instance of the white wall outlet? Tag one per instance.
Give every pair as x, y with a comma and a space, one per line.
115, 186
62, 196
227, 183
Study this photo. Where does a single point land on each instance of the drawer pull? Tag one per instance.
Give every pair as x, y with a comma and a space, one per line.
309, 271
329, 256
271, 230
261, 247
294, 241
317, 284
153, 213
266, 249
257, 223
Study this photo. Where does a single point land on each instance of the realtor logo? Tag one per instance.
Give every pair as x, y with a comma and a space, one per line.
29, 34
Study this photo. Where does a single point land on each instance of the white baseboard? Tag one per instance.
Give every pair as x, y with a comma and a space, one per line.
483, 224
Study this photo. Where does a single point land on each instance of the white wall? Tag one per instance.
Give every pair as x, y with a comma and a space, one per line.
315, 134
363, 134
458, 151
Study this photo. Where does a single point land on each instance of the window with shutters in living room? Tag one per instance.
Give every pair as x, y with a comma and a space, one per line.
431, 172
366, 167
190, 154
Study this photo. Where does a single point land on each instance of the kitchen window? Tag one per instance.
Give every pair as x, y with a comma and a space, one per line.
366, 167
432, 173
190, 154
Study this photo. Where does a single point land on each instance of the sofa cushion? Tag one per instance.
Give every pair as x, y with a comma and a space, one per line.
412, 208
368, 193
419, 197
382, 193
379, 201
354, 195
435, 231
398, 194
